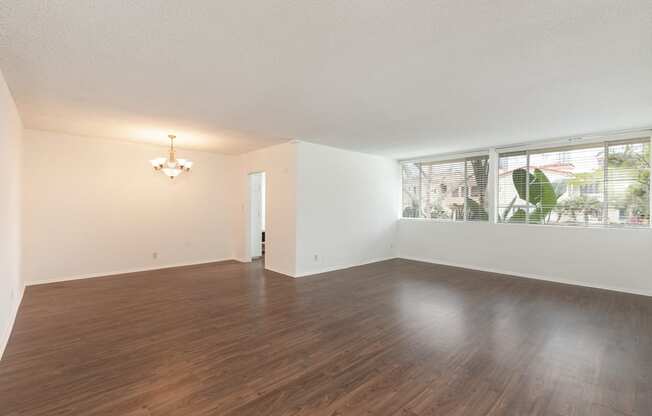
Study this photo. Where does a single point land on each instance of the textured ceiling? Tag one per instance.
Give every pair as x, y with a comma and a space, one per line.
397, 78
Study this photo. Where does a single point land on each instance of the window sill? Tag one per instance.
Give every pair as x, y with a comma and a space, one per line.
437, 220
582, 227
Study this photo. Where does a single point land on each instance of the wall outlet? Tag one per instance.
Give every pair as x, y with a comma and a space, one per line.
316, 257
155, 255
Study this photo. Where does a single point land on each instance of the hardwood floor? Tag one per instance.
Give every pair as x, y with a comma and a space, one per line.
390, 338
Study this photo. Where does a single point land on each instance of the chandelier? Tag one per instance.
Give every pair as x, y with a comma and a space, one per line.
171, 166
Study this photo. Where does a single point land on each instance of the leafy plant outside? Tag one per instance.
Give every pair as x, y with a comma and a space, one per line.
542, 196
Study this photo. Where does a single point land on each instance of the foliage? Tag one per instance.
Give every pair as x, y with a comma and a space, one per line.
412, 211
637, 199
542, 196
438, 211
586, 178
582, 205
637, 164
475, 210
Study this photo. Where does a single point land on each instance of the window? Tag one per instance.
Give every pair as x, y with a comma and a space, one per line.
599, 184
628, 183
593, 184
589, 188
452, 191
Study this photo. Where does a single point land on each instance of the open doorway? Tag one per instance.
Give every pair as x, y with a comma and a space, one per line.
257, 215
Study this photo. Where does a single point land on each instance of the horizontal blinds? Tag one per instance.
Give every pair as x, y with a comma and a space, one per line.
511, 207
451, 190
443, 190
628, 183
477, 182
598, 184
411, 176
569, 185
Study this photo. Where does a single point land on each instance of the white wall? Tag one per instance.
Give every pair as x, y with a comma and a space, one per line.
11, 285
617, 259
256, 214
347, 208
339, 205
280, 165
96, 207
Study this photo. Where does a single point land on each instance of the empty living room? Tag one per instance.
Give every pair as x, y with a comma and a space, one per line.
325, 208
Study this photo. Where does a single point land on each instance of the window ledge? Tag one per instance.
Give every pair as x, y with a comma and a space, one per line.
507, 224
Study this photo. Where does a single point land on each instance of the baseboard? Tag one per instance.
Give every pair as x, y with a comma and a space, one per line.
341, 267
530, 276
271, 269
12, 319
125, 271
278, 272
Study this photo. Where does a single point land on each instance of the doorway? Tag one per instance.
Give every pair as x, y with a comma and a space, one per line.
257, 182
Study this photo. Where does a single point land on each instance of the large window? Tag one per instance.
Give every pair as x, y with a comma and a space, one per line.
451, 191
600, 184
593, 184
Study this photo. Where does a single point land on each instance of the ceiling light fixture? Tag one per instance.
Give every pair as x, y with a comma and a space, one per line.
171, 166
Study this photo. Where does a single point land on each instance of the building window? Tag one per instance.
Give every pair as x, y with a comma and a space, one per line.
440, 190
589, 188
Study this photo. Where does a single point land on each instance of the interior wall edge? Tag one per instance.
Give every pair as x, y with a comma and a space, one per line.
12, 320
278, 271
11, 150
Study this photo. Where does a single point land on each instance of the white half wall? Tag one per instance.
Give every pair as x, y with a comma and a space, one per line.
95, 207
347, 208
616, 259
11, 284
280, 165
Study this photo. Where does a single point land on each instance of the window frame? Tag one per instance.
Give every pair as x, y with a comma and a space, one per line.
605, 145
543, 146
449, 159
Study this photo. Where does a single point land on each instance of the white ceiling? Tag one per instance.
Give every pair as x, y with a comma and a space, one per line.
398, 78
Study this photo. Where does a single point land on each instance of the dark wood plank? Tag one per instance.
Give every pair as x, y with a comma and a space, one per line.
395, 337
